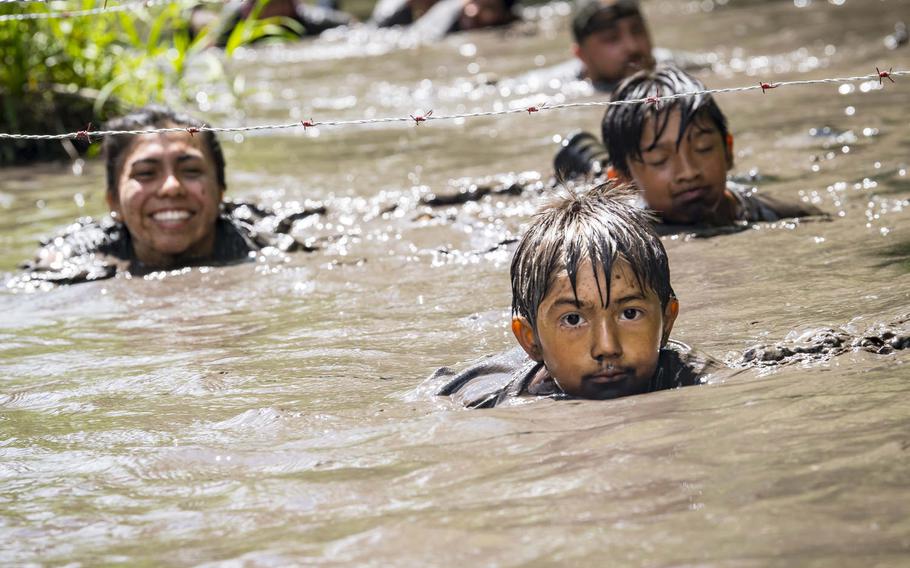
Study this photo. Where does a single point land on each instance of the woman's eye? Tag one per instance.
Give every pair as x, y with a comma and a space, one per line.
144, 174
656, 163
572, 320
193, 172
705, 149
631, 313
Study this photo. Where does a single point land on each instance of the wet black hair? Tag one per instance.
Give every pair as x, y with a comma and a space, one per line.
594, 15
622, 125
602, 225
153, 116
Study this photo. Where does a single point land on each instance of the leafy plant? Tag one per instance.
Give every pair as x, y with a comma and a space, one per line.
57, 75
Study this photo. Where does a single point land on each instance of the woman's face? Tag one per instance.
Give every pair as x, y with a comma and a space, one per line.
168, 197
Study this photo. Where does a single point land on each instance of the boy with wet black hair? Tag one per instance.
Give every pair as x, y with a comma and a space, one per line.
592, 310
679, 152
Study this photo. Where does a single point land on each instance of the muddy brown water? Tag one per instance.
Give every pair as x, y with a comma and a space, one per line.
266, 414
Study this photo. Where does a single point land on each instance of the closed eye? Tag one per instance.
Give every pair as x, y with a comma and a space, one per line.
144, 174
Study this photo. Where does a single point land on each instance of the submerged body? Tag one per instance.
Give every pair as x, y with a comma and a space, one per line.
512, 375
92, 250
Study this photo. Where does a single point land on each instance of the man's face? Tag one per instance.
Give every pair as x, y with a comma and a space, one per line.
168, 197
686, 185
616, 51
600, 352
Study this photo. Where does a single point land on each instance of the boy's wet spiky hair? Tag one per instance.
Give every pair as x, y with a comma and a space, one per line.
622, 125
602, 225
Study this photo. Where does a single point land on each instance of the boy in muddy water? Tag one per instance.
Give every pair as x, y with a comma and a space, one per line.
679, 152
592, 309
612, 41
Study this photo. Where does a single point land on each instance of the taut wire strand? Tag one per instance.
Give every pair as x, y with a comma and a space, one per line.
429, 116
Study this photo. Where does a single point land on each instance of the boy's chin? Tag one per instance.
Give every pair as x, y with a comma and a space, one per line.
626, 387
696, 213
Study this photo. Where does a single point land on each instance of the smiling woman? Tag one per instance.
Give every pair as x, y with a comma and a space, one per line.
165, 192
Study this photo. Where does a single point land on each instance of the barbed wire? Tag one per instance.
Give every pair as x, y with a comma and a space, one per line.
80, 13
88, 134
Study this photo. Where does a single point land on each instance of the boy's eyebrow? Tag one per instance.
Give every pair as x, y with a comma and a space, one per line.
149, 161
568, 300
667, 144
630, 297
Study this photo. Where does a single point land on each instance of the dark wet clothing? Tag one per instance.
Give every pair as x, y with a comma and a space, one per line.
441, 19
388, 13
498, 378
753, 207
93, 250
313, 20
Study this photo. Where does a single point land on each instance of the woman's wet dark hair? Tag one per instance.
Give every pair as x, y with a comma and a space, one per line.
602, 225
150, 117
622, 125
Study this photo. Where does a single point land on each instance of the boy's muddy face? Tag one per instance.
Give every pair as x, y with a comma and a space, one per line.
685, 184
168, 197
594, 351
616, 51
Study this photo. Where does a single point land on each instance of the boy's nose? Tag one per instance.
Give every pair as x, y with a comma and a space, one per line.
171, 186
632, 46
605, 342
686, 166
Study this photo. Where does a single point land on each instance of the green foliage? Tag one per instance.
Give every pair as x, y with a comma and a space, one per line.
57, 75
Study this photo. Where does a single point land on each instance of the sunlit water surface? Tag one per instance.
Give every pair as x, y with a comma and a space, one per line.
265, 414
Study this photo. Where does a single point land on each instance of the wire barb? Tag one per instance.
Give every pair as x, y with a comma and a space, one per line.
85, 135
766, 86
421, 117
307, 124
882, 75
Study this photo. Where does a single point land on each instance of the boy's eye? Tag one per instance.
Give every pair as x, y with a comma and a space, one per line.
631, 313
572, 320
611, 36
705, 148
657, 162
192, 172
144, 174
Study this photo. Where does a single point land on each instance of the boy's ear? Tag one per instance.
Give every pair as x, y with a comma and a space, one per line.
617, 176
729, 142
526, 337
670, 313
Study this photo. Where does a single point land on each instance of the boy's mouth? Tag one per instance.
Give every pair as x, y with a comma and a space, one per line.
611, 374
692, 194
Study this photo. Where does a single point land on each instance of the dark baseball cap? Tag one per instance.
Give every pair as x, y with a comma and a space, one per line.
595, 15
